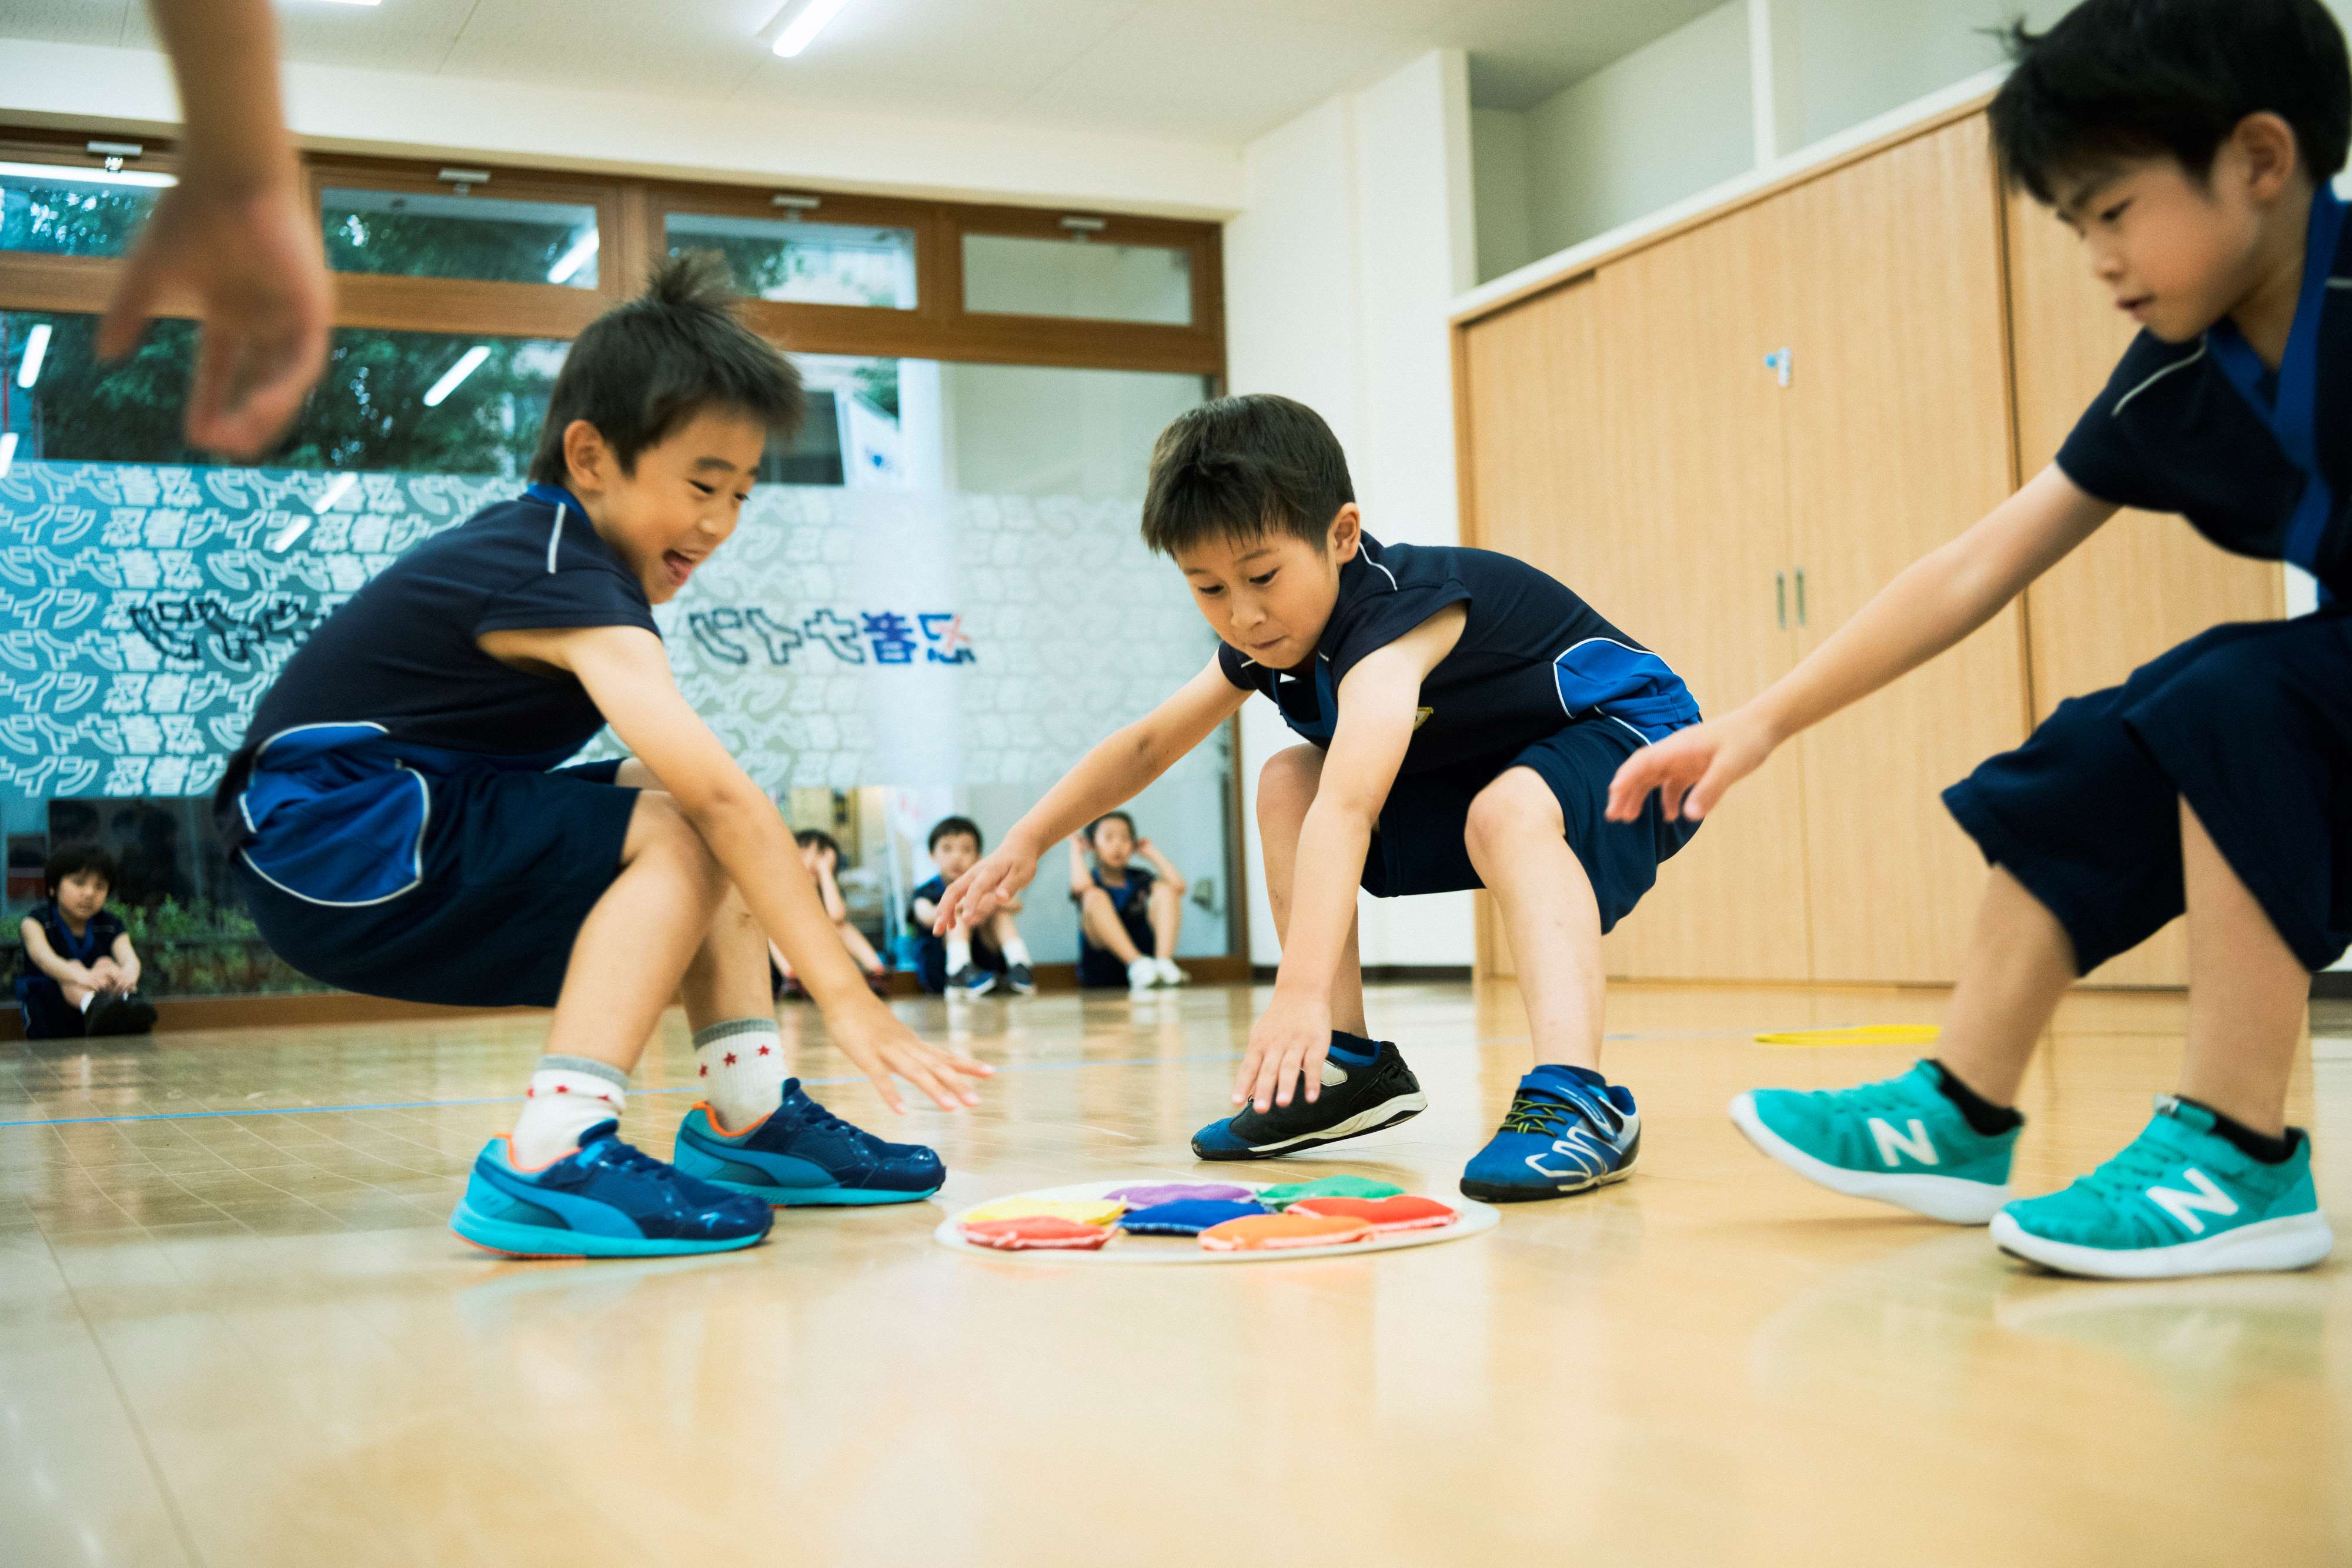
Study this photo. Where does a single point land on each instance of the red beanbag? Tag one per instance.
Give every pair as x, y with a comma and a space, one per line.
1281, 1232
1382, 1214
1036, 1233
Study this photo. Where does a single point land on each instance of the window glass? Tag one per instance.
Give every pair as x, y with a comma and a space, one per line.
481, 237
806, 262
1013, 276
63, 210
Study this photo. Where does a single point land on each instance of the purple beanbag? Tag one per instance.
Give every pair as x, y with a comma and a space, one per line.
1185, 1216
1148, 1194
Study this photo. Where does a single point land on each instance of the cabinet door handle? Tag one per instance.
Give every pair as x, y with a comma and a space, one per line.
1800, 596
1781, 596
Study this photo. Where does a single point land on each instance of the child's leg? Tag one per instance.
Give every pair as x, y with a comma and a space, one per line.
1104, 928
2248, 993
1167, 920
1004, 933
2018, 966
1517, 841
1285, 789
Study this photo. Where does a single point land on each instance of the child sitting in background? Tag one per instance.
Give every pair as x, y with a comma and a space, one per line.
970, 959
80, 975
821, 852
1128, 917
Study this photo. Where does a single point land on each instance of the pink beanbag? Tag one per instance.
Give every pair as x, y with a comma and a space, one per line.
1040, 1232
1281, 1232
1382, 1214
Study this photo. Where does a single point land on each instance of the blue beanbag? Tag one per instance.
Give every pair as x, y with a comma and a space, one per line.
1185, 1216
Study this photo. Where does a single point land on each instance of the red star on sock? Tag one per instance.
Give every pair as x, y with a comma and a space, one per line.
763, 1050
704, 1071
730, 1059
564, 1088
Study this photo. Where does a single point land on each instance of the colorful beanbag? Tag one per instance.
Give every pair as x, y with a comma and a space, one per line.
1036, 1232
1382, 1214
1276, 1232
1152, 1193
1085, 1211
1185, 1216
1328, 1186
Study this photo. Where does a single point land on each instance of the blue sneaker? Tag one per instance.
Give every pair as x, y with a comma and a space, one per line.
1900, 1141
2178, 1199
801, 1153
605, 1201
971, 980
1568, 1131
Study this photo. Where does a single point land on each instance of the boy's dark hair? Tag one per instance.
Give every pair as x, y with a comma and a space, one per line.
643, 369
1094, 826
1241, 466
818, 837
72, 861
2124, 78
947, 826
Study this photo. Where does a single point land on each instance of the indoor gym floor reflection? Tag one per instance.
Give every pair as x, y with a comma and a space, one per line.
235, 1332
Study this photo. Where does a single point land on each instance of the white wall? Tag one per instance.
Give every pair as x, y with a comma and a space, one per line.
811, 146
1354, 238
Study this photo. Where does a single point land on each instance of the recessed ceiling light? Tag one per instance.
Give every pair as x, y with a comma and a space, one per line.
356, 2
75, 173
803, 29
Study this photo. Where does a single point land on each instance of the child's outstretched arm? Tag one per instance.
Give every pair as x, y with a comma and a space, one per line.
1378, 701
1109, 776
1168, 875
1934, 603
1081, 877
625, 673
126, 959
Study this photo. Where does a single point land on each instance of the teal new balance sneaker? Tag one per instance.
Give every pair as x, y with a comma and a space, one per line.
2179, 1199
1899, 1141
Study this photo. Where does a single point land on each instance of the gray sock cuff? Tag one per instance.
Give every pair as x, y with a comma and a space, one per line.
588, 1065
730, 1027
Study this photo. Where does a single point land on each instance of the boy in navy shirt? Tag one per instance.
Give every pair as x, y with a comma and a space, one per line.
967, 960
2190, 143
80, 974
400, 825
1130, 916
1460, 714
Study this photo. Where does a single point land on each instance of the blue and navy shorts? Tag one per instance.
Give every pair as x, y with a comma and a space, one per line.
508, 866
46, 1014
2252, 725
1420, 846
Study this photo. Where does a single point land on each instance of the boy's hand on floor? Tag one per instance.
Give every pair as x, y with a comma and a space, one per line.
1690, 769
984, 890
872, 1037
1290, 1037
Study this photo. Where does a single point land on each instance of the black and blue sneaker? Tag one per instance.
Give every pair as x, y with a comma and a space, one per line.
1568, 1129
607, 1201
1366, 1087
971, 980
802, 1155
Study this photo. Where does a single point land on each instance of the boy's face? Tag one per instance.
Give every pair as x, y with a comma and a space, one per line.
955, 855
680, 503
1114, 843
815, 857
82, 894
1270, 594
2177, 253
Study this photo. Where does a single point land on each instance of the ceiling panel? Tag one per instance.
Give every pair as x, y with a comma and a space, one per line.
682, 48
66, 21
940, 56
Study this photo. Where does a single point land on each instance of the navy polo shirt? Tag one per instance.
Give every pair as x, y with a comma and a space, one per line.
96, 941
2176, 431
1533, 658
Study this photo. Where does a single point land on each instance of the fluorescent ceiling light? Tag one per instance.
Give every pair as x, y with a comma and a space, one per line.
37, 349
358, 2
804, 28
468, 363
7, 452
337, 489
574, 259
74, 173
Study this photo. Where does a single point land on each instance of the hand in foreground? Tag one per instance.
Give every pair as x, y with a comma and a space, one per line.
250, 263
984, 890
1290, 1037
1690, 769
870, 1035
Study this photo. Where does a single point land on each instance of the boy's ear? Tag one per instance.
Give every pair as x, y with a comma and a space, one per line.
2266, 145
1347, 533
590, 461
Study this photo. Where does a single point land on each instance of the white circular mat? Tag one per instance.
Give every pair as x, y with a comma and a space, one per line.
1476, 1219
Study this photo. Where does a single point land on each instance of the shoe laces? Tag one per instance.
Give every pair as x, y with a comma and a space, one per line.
2128, 1170
1547, 1114
815, 1117
613, 1155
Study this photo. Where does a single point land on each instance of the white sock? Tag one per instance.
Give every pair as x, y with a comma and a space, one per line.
959, 951
1170, 975
1143, 975
742, 1065
568, 1095
1015, 950
88, 1000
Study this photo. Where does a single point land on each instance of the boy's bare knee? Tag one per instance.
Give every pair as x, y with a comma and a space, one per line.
660, 834
1509, 813
1286, 784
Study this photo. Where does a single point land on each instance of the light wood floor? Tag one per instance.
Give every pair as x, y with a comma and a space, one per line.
240, 1338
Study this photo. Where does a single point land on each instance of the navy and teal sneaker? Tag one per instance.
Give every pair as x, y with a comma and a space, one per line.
1900, 1141
2178, 1199
1568, 1129
802, 1155
1366, 1087
971, 980
607, 1201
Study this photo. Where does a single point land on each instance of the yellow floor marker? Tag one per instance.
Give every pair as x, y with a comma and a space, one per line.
1855, 1034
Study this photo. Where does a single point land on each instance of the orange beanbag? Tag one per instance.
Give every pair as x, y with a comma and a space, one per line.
1037, 1232
1382, 1214
1279, 1232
